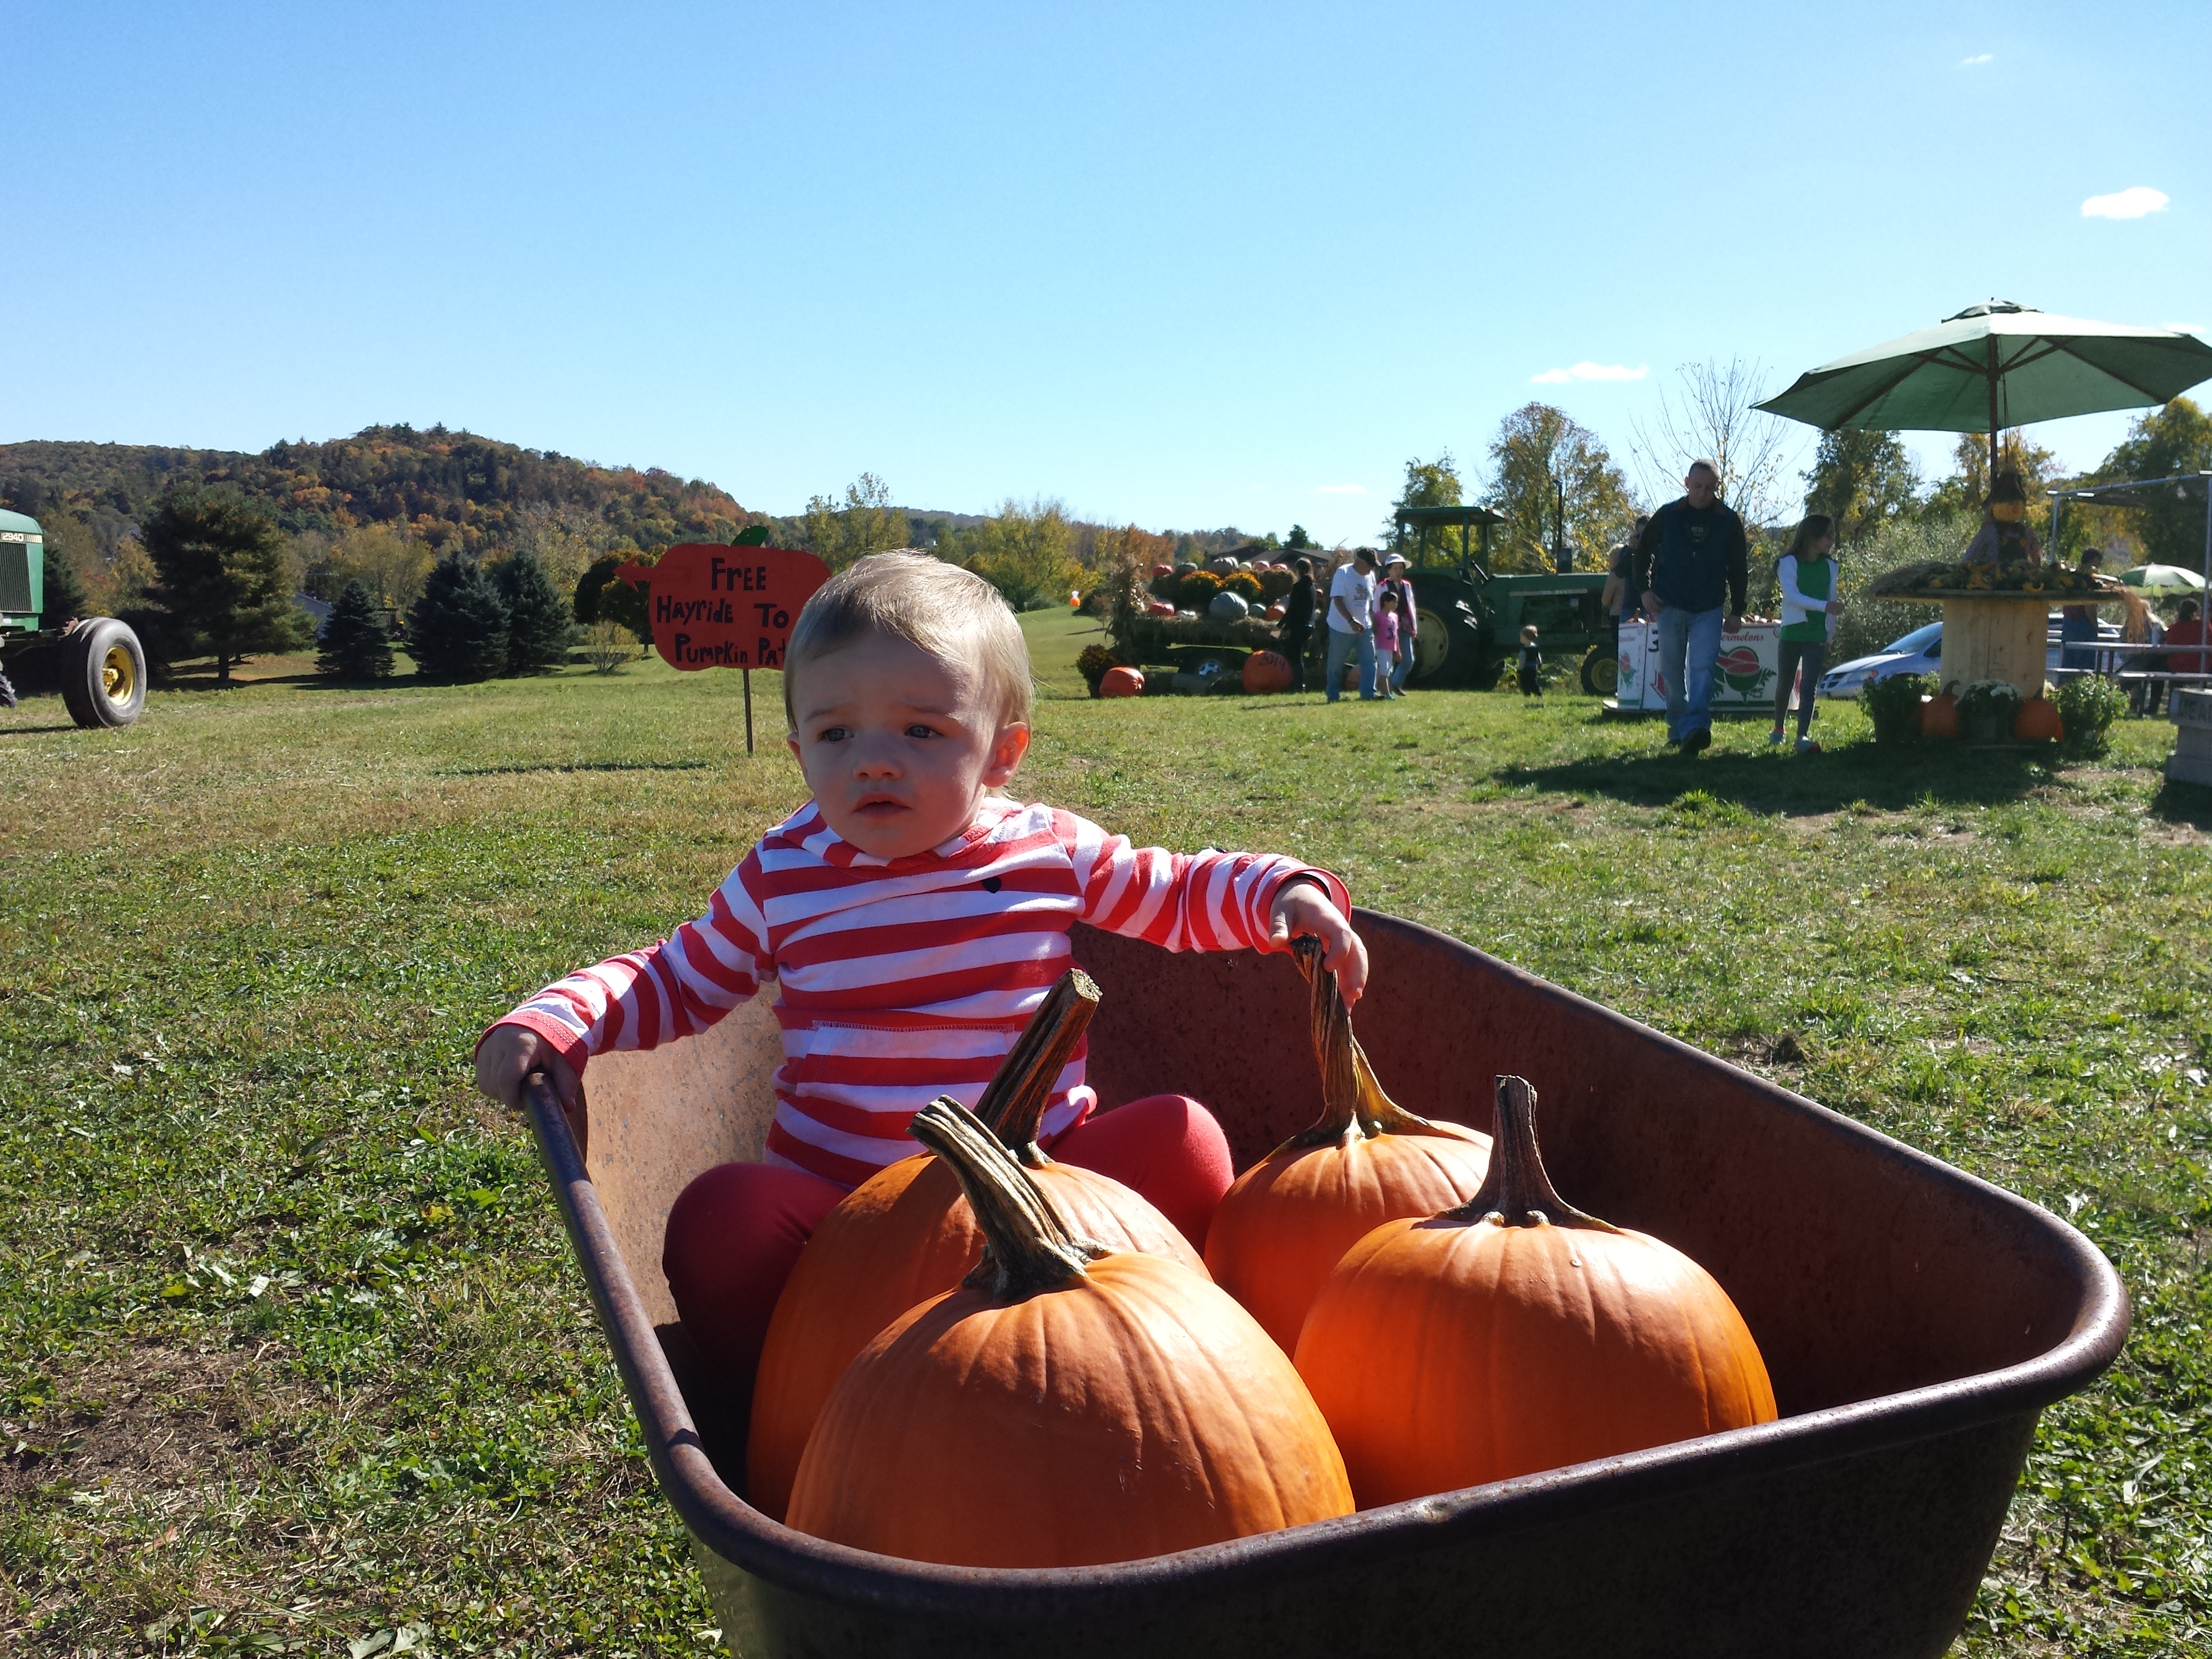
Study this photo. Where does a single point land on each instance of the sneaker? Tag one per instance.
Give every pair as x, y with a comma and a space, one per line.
1806, 746
1698, 742
1775, 736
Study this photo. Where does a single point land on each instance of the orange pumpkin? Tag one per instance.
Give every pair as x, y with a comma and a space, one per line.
1064, 1407
1266, 671
2038, 721
906, 1234
1122, 683
1939, 716
1285, 1224
1515, 1333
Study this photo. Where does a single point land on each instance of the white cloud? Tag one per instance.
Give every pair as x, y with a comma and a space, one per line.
2131, 204
2188, 328
1981, 57
1341, 489
1589, 372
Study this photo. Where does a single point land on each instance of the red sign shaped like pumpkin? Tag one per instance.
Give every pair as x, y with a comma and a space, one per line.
717, 607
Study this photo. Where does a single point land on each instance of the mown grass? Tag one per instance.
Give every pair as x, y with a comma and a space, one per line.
292, 1357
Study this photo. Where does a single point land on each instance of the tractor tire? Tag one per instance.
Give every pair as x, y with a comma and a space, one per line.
103, 674
1601, 672
1447, 647
1489, 665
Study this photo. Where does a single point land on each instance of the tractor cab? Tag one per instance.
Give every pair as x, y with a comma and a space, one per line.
1478, 615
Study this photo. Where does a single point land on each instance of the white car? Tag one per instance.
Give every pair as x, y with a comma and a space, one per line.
1921, 652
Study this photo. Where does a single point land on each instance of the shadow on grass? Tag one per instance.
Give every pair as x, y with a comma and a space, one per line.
32, 731
2184, 802
577, 766
1888, 778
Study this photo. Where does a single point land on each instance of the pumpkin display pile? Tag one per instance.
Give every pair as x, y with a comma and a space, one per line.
1514, 1334
906, 1234
1292, 1216
986, 1358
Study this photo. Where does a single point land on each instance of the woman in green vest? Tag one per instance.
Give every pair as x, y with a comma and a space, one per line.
1807, 577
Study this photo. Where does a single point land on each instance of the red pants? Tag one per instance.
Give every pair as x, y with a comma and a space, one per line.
735, 1232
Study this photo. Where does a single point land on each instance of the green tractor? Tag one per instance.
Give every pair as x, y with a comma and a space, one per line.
99, 662
1471, 620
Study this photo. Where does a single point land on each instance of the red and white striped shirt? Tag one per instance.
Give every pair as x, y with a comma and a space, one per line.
904, 979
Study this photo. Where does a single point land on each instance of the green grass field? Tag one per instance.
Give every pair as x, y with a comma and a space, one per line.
292, 1354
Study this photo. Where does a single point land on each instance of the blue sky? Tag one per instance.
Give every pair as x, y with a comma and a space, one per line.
1185, 266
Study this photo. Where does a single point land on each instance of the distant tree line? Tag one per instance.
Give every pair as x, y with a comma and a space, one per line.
380, 507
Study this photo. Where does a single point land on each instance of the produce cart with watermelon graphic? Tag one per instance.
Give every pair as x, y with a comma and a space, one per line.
1743, 675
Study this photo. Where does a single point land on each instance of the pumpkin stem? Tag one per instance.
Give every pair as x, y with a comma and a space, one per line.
1016, 1099
1350, 1091
1517, 1192
1026, 1245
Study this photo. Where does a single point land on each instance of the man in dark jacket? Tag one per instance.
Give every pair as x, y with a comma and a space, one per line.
1692, 557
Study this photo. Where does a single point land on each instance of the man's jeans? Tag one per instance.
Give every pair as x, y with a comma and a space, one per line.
1689, 642
1342, 645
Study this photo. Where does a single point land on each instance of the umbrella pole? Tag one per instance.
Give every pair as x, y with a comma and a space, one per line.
1993, 409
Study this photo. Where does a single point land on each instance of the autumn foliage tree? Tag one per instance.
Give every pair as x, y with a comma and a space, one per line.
1026, 551
1540, 458
1864, 481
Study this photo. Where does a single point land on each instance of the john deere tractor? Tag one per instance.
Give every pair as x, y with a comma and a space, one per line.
1471, 620
99, 662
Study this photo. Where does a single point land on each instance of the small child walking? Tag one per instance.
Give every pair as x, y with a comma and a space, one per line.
1807, 575
1386, 642
1530, 673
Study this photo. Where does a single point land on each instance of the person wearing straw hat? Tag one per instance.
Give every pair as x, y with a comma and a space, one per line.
1409, 623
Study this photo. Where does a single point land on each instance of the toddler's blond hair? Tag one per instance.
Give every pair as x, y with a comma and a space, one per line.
952, 614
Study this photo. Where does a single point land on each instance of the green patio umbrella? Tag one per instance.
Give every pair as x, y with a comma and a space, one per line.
2160, 576
1995, 366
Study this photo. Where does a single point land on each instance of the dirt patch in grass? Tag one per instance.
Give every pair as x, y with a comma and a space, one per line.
148, 1423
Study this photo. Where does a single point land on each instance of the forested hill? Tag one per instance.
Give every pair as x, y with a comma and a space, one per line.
435, 486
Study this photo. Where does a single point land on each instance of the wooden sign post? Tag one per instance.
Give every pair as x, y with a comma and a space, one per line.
718, 606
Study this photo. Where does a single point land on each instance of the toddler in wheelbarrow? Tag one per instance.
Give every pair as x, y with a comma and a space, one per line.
915, 917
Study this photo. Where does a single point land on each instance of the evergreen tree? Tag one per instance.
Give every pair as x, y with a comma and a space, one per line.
355, 644
458, 629
538, 618
64, 598
222, 587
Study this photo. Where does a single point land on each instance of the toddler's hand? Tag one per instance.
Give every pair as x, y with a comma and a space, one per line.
1302, 910
511, 1053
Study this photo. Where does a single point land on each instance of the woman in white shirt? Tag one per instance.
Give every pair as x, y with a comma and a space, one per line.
1807, 574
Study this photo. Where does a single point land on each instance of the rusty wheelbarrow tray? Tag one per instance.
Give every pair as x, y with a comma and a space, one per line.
1915, 1320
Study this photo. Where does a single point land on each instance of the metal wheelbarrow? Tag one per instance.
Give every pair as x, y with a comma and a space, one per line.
1915, 1321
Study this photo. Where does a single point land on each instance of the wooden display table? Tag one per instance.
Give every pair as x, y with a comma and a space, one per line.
1998, 636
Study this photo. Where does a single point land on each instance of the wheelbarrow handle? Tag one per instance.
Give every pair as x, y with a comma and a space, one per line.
544, 1109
